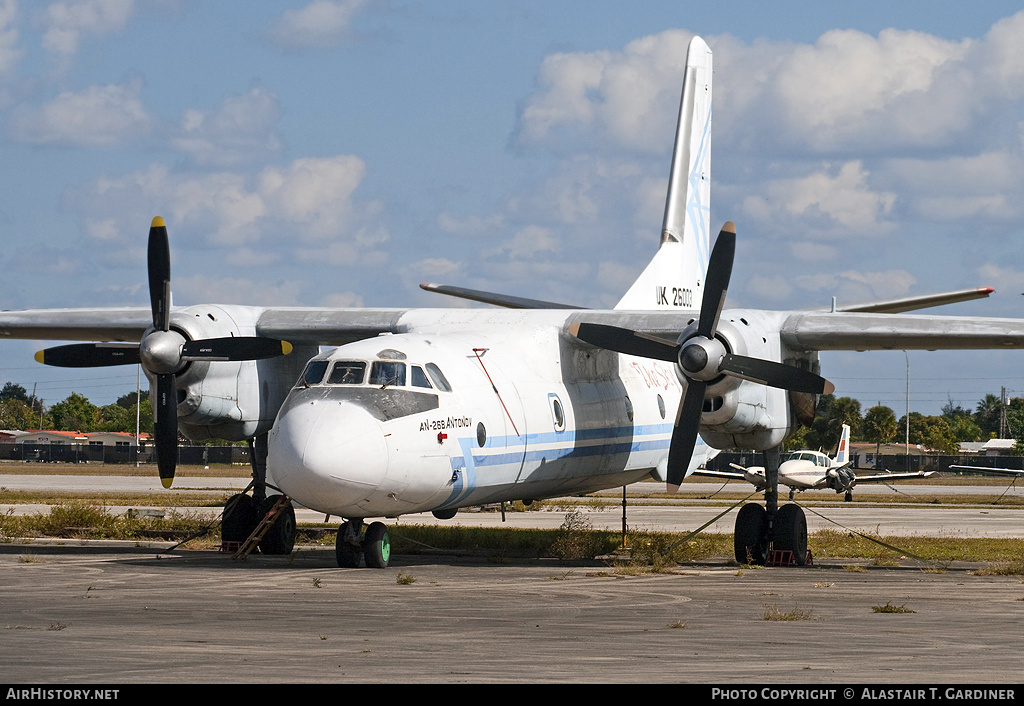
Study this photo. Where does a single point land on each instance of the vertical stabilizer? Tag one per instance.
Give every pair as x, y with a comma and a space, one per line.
675, 277
843, 453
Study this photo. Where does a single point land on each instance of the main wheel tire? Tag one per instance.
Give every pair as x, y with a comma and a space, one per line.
239, 519
750, 538
791, 532
377, 546
280, 538
347, 554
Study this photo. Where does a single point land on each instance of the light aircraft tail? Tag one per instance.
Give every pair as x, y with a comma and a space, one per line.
675, 277
843, 452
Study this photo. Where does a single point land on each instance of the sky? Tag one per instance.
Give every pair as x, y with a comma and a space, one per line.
338, 153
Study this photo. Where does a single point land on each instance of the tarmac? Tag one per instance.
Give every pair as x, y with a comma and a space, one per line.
127, 613
105, 613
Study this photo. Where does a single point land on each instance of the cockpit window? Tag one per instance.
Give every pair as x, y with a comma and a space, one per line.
347, 372
386, 373
419, 378
314, 372
440, 381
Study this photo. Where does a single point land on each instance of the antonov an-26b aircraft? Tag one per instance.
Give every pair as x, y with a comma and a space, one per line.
416, 410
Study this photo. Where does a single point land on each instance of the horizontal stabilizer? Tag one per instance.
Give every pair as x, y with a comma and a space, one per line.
926, 301
503, 300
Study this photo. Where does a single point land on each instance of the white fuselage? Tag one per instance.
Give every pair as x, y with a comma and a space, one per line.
805, 469
531, 413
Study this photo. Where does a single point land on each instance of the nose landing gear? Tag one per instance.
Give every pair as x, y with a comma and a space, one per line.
357, 542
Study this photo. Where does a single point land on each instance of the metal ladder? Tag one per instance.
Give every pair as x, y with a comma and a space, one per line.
262, 528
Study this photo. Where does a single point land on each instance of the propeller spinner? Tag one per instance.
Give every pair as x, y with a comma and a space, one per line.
163, 352
701, 357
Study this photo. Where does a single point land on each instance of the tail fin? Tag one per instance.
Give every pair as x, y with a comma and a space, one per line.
675, 277
843, 452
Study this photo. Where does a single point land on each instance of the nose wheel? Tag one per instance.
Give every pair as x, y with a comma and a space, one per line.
358, 543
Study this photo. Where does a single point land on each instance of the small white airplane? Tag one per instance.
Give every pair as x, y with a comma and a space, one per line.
805, 470
414, 410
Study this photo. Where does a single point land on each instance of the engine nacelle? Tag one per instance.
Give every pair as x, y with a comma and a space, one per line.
743, 414
231, 400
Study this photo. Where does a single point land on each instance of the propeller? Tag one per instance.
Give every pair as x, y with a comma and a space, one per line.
701, 357
163, 352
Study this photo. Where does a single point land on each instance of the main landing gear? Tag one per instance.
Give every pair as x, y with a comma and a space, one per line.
242, 512
761, 530
358, 542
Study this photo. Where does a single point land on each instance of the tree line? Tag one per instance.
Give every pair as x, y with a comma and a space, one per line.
940, 433
23, 411
878, 425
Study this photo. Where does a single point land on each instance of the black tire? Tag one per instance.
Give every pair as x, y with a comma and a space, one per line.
750, 538
791, 532
445, 514
239, 519
377, 546
849, 496
348, 555
280, 538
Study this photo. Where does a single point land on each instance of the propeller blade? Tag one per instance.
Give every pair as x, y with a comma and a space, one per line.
159, 265
90, 355
774, 374
716, 282
235, 348
165, 430
684, 434
622, 340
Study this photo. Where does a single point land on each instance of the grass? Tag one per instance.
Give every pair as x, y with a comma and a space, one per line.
574, 541
774, 613
78, 520
890, 608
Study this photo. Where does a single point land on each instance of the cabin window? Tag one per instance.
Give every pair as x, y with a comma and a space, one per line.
557, 413
314, 372
661, 406
418, 377
387, 373
440, 381
347, 372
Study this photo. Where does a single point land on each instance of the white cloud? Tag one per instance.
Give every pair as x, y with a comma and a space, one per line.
240, 130
99, 116
320, 24
627, 96
853, 286
10, 52
65, 23
231, 290
308, 200
844, 200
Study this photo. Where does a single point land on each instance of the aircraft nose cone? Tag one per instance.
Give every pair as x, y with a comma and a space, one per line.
328, 456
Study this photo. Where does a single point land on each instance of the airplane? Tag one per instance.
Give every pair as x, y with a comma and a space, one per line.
806, 469
376, 413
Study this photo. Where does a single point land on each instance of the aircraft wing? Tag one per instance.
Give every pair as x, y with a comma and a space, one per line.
727, 475
125, 324
988, 469
850, 331
886, 477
